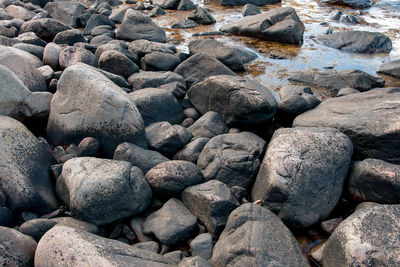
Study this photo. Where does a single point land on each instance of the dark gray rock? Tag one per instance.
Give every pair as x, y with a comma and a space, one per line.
88, 147
296, 100
351, 3
250, 238
30, 38
201, 66
67, 12
66, 246
101, 191
367, 118
320, 156
240, 101
245, 55
191, 151
143, 47
76, 224
357, 41
156, 11
349, 19
8, 32
171, 224
69, 37
250, 10
137, 26
152, 79
167, 4
174, 257
117, 14
211, 202
116, 47
194, 262
192, 113
223, 53
166, 138
16, 249
94, 21
376, 181
158, 61
209, 125
6, 216
186, 5
157, 105
24, 171
202, 16
36, 228
45, 28
278, 25
102, 29
184, 24
391, 68
116, 62
356, 79
31, 49
172, 177
232, 158
72, 55
202, 245
142, 158
110, 116
366, 238
244, 2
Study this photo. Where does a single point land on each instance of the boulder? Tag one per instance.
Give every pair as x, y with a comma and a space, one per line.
202, 16
368, 118
196, 261
391, 68
24, 65
172, 177
116, 62
101, 191
45, 28
110, 116
153, 79
347, 91
143, 47
96, 20
185, 5
211, 202
202, 245
232, 158
240, 101
320, 156
72, 55
51, 54
254, 236
19, 12
35, 50
167, 4
209, 125
116, 47
201, 66
191, 151
69, 37
16, 249
220, 51
158, 61
376, 181
244, 2
357, 42
67, 12
295, 100
142, 158
366, 238
184, 24
64, 246
351, 3
250, 10
24, 172
166, 138
36, 228
117, 14
171, 224
157, 105
137, 26
278, 25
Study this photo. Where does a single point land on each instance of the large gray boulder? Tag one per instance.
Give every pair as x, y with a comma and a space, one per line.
376, 181
356, 79
302, 174
223, 53
154, 79
159, 61
202, 16
211, 202
142, 47
391, 68
295, 100
244, 2
45, 28
232, 158
278, 25
357, 41
351, 3
254, 236
110, 116
171, 224
172, 177
369, 237
64, 246
137, 26
240, 101
16, 249
201, 66
24, 65
191, 151
209, 125
368, 118
101, 191
18, 102
72, 55
67, 12
25, 169
117, 62
167, 4
142, 158
157, 105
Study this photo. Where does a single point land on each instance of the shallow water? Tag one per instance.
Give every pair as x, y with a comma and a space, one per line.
276, 61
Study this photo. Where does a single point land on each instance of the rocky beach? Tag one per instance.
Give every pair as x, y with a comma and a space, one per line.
198, 133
